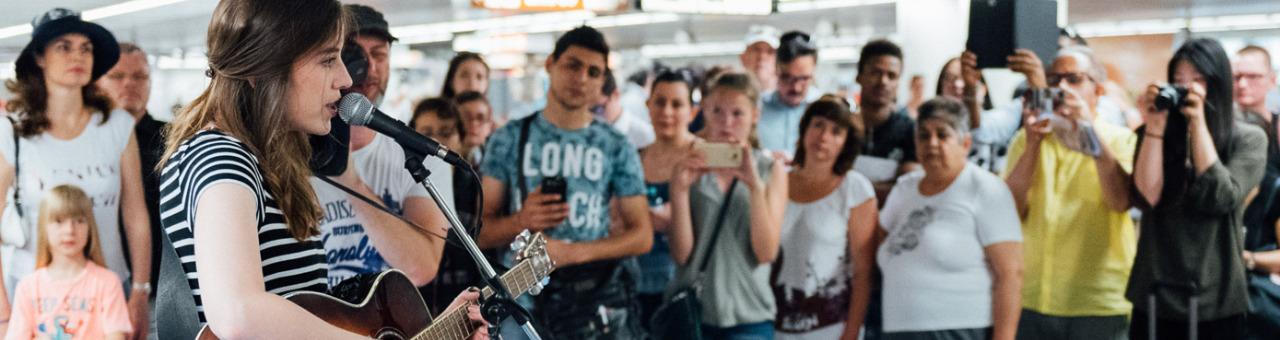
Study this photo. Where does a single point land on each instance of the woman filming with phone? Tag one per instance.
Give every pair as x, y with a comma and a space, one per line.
1195, 166
731, 193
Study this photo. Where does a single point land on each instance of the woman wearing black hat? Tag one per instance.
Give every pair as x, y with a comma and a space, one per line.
64, 131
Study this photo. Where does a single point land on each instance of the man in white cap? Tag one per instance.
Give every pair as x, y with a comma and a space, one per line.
759, 57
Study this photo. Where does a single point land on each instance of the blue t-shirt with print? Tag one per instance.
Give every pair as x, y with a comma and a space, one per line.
597, 163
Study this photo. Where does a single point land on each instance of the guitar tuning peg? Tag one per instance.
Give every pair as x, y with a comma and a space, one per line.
536, 289
521, 241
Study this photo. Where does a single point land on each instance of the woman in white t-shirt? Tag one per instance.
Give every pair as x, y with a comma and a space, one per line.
822, 277
69, 134
952, 252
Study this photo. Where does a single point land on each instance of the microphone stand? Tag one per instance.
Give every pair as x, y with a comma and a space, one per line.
494, 308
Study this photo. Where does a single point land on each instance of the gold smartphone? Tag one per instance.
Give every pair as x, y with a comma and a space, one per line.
721, 155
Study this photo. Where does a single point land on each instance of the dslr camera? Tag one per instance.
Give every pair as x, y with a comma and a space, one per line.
1170, 97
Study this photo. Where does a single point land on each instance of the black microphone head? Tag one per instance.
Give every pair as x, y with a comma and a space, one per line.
355, 109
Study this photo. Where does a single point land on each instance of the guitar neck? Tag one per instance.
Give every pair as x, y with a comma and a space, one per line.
455, 325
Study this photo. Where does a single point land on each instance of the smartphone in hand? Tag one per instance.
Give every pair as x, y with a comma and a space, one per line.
556, 186
721, 155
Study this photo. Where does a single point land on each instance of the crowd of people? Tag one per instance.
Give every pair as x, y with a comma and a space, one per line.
1069, 211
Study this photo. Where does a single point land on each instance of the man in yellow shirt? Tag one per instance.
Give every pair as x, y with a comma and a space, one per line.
1078, 239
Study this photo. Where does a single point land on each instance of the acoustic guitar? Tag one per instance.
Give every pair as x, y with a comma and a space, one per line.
394, 310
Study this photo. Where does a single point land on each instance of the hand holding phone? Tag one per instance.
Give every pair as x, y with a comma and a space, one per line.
540, 210
555, 186
721, 155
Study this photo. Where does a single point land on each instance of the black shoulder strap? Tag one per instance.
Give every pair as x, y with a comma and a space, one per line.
524, 139
17, 171
724, 208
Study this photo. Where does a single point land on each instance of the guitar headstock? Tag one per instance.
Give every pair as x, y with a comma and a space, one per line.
533, 250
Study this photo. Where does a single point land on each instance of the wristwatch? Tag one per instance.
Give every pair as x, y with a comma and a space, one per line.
142, 286
1250, 262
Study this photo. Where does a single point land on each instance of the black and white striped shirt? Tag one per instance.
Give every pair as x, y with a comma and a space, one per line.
209, 158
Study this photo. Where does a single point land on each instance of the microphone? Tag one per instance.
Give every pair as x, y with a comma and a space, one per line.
356, 110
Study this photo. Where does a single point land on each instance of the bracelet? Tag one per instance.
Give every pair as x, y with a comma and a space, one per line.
1251, 262
143, 286
1152, 135
5, 321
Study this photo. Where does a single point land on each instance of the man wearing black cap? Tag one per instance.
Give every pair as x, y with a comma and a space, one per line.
371, 244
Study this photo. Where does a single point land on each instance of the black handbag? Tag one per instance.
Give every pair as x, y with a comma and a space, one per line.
1263, 320
680, 315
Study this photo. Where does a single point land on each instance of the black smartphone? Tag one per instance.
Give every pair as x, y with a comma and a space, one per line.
555, 185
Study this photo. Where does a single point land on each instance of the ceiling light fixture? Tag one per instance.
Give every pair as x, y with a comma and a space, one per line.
1166, 26
798, 6
95, 14
530, 23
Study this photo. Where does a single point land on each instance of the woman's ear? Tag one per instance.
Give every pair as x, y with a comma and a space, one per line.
251, 83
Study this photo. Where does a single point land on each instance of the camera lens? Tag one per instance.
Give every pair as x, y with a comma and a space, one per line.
1170, 97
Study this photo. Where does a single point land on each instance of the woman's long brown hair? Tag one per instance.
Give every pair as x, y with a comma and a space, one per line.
32, 102
252, 48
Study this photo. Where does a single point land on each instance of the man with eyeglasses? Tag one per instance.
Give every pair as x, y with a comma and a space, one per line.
779, 125
129, 85
1253, 77
1079, 241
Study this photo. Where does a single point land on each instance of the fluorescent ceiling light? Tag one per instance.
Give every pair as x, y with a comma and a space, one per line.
492, 24
810, 5
95, 14
530, 23
693, 50
738, 7
830, 49
124, 8
1164, 26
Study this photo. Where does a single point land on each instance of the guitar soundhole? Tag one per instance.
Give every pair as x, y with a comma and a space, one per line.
390, 334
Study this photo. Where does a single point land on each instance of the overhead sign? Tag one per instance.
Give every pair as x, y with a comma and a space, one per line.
735, 7
550, 5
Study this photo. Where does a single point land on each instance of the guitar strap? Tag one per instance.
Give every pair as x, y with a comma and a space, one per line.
176, 314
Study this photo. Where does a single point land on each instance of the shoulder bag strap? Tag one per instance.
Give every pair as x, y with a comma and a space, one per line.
524, 138
724, 208
17, 171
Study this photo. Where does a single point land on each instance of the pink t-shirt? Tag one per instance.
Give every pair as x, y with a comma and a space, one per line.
86, 307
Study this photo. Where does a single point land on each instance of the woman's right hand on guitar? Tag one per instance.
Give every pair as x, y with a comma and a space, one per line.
470, 298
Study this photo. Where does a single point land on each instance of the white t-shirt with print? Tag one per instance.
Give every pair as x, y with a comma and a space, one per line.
381, 166
90, 161
814, 268
934, 264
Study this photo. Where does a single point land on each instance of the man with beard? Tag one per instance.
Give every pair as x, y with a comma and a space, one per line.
370, 244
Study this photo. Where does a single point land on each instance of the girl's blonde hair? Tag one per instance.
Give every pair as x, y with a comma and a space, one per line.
744, 85
67, 202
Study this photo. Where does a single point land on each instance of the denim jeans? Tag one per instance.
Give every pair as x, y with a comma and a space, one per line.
750, 331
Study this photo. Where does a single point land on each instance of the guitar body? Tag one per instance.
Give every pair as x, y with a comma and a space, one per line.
393, 310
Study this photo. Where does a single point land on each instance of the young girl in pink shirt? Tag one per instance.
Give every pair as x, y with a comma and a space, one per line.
71, 295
